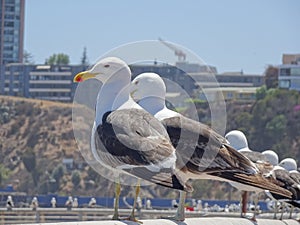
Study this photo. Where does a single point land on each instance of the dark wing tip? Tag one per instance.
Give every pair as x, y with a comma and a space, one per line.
258, 181
164, 178
254, 180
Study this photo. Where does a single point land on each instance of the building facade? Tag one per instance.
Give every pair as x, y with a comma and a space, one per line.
55, 82
12, 31
48, 82
289, 72
289, 76
169, 72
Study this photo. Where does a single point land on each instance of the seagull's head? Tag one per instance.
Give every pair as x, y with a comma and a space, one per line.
288, 164
103, 70
271, 156
294, 171
148, 85
237, 140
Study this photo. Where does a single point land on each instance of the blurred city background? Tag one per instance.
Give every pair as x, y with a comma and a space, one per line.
252, 49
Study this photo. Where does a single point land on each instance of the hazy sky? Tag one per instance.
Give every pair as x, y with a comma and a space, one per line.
231, 35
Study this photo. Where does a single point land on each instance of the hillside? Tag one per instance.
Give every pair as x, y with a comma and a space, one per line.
36, 136
36, 128
272, 122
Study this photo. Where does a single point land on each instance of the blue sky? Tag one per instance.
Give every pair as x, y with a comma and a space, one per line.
231, 35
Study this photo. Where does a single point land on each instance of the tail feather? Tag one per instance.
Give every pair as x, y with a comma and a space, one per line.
294, 203
255, 180
243, 162
164, 178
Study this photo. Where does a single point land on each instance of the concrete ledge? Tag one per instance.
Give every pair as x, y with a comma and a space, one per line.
189, 221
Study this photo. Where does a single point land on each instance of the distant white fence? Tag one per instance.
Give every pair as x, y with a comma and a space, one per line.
100, 216
189, 221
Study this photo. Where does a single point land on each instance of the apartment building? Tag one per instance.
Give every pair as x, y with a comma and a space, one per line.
289, 72
11, 31
49, 82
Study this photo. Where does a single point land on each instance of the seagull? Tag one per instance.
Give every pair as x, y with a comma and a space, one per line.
75, 203
69, 202
271, 156
264, 161
9, 203
34, 203
287, 173
201, 152
289, 164
295, 175
125, 137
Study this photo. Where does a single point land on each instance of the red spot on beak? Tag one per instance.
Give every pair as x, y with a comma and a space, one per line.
78, 79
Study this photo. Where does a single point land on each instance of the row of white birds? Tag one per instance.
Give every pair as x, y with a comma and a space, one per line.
136, 134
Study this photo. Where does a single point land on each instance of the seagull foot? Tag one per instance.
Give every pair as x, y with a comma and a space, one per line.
116, 217
249, 217
253, 219
133, 219
175, 218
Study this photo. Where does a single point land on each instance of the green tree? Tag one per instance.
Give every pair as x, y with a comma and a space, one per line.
4, 173
29, 161
58, 59
261, 92
76, 178
28, 57
58, 172
92, 174
84, 59
276, 127
271, 77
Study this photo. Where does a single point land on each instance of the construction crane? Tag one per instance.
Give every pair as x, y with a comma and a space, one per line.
178, 52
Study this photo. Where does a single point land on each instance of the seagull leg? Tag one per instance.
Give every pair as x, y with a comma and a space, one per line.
137, 192
244, 202
180, 213
117, 197
241, 203
275, 210
255, 207
291, 212
282, 210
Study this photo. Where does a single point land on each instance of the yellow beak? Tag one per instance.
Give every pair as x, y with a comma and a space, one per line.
132, 92
82, 76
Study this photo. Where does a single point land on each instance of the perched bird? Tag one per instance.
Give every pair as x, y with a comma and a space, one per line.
34, 203
75, 203
238, 140
92, 203
9, 203
125, 137
271, 156
286, 172
69, 202
148, 204
201, 152
295, 175
288, 163
53, 202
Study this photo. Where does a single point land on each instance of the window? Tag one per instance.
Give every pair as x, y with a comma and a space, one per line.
284, 83
295, 71
33, 77
229, 95
285, 72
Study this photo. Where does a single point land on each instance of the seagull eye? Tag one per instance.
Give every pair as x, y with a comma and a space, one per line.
106, 66
136, 82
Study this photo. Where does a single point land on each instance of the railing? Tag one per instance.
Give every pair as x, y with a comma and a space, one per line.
54, 215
